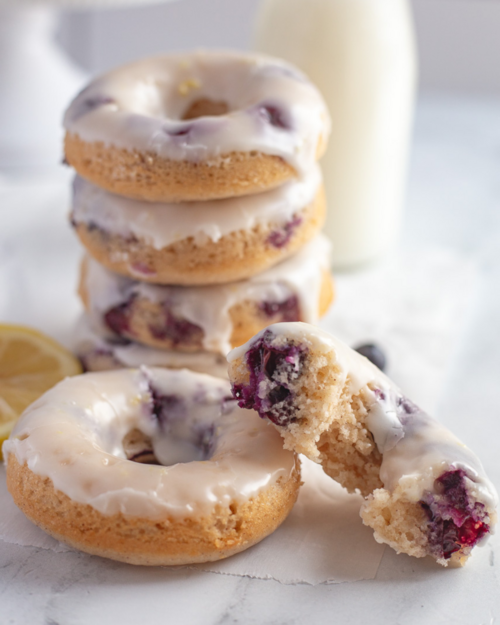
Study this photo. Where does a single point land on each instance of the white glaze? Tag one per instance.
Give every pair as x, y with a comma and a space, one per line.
160, 225
426, 451
147, 99
416, 448
208, 307
73, 435
91, 339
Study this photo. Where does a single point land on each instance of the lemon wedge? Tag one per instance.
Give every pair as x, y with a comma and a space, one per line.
30, 364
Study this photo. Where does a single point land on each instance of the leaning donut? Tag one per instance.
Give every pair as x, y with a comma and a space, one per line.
196, 126
426, 493
220, 482
200, 242
212, 318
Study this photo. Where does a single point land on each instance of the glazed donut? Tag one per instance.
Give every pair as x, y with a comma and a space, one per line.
216, 480
196, 126
426, 493
199, 243
212, 318
100, 350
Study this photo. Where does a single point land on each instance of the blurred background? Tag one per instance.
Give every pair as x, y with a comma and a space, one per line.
458, 40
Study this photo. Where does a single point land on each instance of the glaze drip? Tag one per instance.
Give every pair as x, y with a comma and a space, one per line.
455, 522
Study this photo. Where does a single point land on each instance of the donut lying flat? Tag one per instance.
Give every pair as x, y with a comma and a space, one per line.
426, 493
75, 467
198, 243
100, 350
214, 318
196, 126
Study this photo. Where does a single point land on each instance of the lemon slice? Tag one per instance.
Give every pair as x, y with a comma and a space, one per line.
30, 364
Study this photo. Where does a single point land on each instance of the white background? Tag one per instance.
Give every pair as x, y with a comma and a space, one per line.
459, 40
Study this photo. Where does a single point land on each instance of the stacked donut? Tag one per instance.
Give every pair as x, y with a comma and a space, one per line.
199, 202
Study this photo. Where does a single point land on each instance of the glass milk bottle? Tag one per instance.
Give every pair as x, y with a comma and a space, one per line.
361, 55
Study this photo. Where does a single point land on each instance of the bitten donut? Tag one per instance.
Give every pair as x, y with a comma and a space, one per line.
426, 492
196, 126
149, 466
202, 242
212, 318
100, 350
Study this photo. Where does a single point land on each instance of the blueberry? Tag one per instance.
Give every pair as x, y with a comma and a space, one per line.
274, 116
165, 408
374, 354
118, 318
179, 331
281, 237
180, 130
288, 310
454, 521
86, 105
273, 370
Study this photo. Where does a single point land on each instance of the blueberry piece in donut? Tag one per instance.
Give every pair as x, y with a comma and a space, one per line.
425, 492
177, 330
89, 102
287, 310
275, 115
117, 319
149, 466
273, 371
281, 237
180, 130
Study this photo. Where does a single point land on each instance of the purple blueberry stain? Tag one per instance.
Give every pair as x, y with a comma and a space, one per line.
288, 310
454, 522
93, 227
281, 237
166, 408
204, 440
274, 115
84, 105
190, 131
406, 408
273, 370
178, 331
117, 319
169, 410
142, 269
178, 130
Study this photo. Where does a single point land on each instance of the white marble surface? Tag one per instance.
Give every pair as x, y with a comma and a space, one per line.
453, 203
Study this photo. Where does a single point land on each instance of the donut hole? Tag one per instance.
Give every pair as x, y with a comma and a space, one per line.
205, 107
138, 447
175, 437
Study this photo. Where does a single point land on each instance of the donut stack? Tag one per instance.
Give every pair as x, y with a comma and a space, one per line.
199, 202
